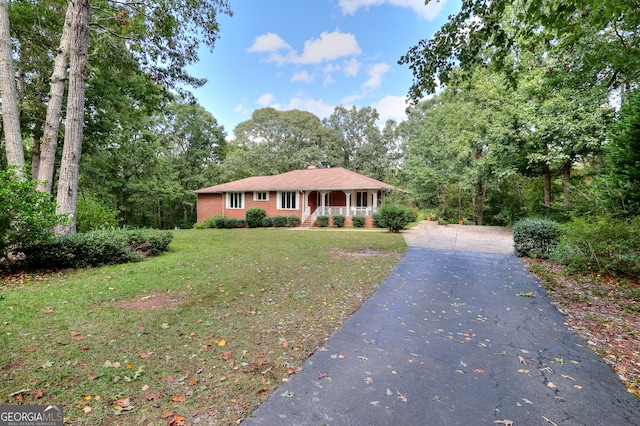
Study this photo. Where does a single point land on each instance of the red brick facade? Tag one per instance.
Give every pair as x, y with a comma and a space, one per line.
216, 205
296, 193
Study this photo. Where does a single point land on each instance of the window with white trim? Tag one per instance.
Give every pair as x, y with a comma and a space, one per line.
361, 199
288, 200
261, 196
235, 200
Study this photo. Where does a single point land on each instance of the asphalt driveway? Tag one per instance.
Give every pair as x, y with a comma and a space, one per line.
454, 337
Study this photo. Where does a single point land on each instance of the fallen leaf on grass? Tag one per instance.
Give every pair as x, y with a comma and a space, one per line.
152, 396
48, 311
37, 393
86, 409
176, 420
178, 399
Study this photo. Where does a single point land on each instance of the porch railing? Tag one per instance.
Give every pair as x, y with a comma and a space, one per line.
336, 211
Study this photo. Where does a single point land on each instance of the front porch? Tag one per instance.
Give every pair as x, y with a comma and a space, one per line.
338, 203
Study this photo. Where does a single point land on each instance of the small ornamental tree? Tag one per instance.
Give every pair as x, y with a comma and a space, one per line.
394, 217
27, 216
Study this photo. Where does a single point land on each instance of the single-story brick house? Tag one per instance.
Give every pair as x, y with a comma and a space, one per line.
305, 193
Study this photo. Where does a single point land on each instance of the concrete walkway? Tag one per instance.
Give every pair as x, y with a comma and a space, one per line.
454, 337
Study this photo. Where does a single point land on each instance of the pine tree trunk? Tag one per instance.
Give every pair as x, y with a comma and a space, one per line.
69, 167
8, 93
54, 109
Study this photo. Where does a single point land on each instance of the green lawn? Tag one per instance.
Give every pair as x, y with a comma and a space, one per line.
202, 333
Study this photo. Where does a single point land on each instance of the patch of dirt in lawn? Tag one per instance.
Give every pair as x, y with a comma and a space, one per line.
337, 252
605, 311
150, 301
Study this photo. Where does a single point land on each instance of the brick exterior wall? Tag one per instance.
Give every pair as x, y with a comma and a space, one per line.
215, 205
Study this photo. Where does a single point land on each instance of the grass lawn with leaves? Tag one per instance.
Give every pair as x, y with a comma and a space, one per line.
199, 335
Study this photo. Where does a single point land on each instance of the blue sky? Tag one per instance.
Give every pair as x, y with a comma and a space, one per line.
314, 55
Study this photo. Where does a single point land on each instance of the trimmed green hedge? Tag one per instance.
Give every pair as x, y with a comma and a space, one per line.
358, 221
94, 248
281, 221
535, 237
323, 221
338, 221
229, 222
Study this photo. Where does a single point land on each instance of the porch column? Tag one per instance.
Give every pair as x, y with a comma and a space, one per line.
374, 207
348, 195
306, 202
323, 197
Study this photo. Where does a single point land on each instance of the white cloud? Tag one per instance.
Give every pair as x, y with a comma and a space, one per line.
351, 67
269, 42
392, 107
426, 11
240, 108
301, 76
328, 47
328, 79
266, 100
317, 107
375, 75
350, 100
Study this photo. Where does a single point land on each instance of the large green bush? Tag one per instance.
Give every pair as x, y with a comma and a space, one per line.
535, 237
255, 216
27, 216
394, 217
601, 245
94, 248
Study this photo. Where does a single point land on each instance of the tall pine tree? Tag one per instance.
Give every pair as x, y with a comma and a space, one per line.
623, 154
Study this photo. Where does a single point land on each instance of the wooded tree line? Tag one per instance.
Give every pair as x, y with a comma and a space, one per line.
520, 120
90, 75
